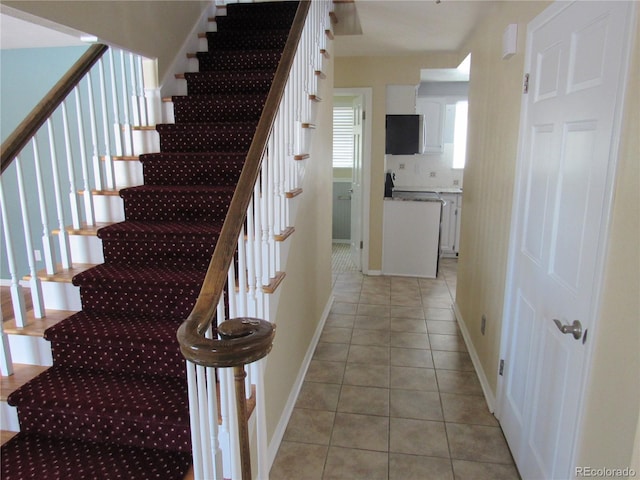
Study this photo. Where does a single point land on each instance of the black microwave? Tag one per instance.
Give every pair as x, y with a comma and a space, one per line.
403, 134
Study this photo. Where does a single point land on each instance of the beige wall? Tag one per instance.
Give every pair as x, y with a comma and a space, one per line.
377, 73
306, 289
613, 396
154, 29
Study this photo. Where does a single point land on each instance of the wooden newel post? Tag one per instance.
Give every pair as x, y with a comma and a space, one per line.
248, 340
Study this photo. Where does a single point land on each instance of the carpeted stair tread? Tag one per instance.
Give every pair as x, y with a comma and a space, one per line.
241, 39
239, 60
136, 231
118, 342
145, 411
218, 108
34, 456
207, 83
205, 168
206, 137
137, 276
198, 203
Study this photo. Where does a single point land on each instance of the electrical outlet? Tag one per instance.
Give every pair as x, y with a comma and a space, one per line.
37, 255
401, 166
483, 324
432, 174
456, 182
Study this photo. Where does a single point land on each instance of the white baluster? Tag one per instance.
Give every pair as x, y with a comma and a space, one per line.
203, 409
73, 195
47, 243
6, 363
213, 410
144, 114
242, 276
135, 104
227, 380
63, 236
117, 128
89, 211
97, 168
261, 419
126, 126
35, 286
110, 175
266, 185
194, 421
17, 295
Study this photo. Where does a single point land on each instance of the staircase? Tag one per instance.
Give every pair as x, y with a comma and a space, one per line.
115, 403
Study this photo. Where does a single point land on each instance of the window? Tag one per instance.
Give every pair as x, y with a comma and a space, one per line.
343, 137
460, 135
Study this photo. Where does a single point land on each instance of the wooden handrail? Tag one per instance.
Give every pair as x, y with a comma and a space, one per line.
15, 142
193, 344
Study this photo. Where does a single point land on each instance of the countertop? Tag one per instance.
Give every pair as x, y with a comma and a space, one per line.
429, 189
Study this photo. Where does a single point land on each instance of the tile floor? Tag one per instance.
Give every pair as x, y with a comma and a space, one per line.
391, 392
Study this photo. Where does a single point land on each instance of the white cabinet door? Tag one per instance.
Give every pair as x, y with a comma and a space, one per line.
432, 109
449, 227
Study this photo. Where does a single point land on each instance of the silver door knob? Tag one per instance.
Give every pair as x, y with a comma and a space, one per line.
575, 328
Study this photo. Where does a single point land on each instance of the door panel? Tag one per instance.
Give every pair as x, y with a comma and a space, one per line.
577, 64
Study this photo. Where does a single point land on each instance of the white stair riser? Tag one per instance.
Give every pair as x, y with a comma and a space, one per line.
59, 296
128, 173
30, 350
108, 208
146, 141
167, 111
9, 417
86, 249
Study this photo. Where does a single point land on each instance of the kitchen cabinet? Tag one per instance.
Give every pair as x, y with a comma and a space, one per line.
410, 238
433, 111
450, 226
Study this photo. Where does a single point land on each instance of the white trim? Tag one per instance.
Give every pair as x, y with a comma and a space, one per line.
279, 431
604, 234
367, 95
477, 365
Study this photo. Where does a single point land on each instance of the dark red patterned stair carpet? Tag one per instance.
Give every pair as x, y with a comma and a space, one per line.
114, 405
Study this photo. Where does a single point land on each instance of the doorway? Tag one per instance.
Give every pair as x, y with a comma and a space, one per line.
351, 178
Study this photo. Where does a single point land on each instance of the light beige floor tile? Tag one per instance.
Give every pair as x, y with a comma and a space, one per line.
451, 343
471, 409
416, 467
418, 437
452, 361
367, 432
367, 375
443, 327
380, 338
309, 426
409, 340
370, 355
438, 301
465, 470
318, 396
453, 381
477, 443
344, 308
296, 461
321, 371
442, 314
373, 310
348, 463
338, 320
415, 404
336, 335
369, 322
408, 325
408, 312
411, 357
411, 378
375, 298
347, 297
331, 352
364, 400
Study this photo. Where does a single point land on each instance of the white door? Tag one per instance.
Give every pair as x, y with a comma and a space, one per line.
577, 60
356, 183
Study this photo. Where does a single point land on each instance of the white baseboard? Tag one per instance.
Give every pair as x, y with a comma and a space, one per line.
486, 389
373, 273
278, 434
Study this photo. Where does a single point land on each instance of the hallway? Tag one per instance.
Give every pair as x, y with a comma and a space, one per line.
391, 392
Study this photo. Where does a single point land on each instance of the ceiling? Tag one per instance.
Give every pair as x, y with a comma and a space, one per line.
364, 28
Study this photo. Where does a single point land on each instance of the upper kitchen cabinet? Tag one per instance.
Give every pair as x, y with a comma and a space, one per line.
433, 111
